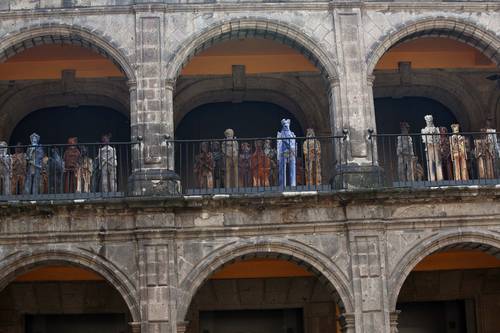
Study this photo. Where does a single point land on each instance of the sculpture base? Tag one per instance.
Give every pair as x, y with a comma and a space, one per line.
154, 182
354, 176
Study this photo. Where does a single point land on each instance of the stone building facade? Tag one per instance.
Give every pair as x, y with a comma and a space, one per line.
157, 247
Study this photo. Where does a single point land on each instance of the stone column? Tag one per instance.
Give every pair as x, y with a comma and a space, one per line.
135, 327
152, 118
354, 117
393, 319
347, 323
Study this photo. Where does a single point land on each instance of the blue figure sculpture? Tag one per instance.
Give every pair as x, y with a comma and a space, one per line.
34, 157
287, 152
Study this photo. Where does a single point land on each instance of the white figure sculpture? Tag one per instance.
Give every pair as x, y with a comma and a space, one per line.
107, 166
5, 169
432, 142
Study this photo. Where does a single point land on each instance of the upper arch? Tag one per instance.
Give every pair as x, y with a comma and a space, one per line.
251, 27
20, 262
307, 256
15, 42
430, 245
467, 32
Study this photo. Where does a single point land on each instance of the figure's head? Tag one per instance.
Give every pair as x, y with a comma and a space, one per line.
429, 120
229, 133
405, 127
34, 138
455, 128
310, 133
267, 143
3, 148
72, 140
204, 147
84, 151
443, 130
19, 149
245, 147
215, 146
258, 145
489, 123
285, 124
106, 138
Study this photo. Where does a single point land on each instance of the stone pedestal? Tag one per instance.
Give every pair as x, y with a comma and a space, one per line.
353, 175
151, 182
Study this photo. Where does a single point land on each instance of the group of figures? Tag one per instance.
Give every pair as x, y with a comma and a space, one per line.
448, 156
34, 172
229, 164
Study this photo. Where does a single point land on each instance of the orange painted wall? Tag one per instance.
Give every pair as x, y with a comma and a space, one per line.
258, 55
434, 53
261, 268
59, 273
457, 260
48, 61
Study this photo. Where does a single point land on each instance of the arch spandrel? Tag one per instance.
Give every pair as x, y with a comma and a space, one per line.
466, 31
430, 244
324, 268
20, 262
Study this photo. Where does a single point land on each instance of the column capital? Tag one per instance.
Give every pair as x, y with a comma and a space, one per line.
135, 327
132, 85
334, 81
182, 326
170, 84
347, 321
393, 319
370, 79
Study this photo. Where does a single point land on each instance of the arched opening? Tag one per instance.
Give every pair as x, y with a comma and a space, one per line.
62, 83
60, 297
261, 74
454, 288
265, 292
442, 72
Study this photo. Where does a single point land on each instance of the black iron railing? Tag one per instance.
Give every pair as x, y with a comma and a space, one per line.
258, 164
81, 170
435, 160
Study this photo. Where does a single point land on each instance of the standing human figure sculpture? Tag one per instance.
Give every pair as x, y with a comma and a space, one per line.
107, 162
56, 171
230, 150
458, 151
493, 146
204, 167
287, 153
5, 169
34, 157
406, 155
270, 153
484, 153
260, 165
244, 165
18, 170
431, 140
84, 172
72, 161
446, 161
219, 165
312, 158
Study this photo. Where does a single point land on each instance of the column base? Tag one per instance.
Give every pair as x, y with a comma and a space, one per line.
154, 182
357, 176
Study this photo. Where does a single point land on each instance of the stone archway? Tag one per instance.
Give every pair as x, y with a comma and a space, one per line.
329, 274
460, 30
21, 262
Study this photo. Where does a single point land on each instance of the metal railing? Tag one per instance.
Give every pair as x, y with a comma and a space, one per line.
437, 160
254, 165
64, 171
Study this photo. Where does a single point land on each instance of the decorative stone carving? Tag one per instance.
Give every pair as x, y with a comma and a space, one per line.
204, 167
84, 172
245, 171
5, 169
261, 166
107, 165
287, 152
219, 164
230, 150
71, 165
18, 170
312, 158
446, 153
34, 157
458, 152
271, 154
431, 140
406, 155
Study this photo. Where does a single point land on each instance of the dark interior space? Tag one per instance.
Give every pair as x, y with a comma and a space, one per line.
390, 112
76, 323
88, 123
252, 321
247, 119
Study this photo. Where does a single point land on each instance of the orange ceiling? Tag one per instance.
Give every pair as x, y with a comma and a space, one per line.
435, 53
48, 61
261, 268
59, 273
457, 260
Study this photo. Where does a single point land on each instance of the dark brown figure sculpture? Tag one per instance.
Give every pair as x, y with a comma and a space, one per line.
84, 172
44, 175
446, 154
312, 158
485, 158
230, 150
271, 154
18, 170
245, 172
458, 154
299, 171
204, 167
261, 166
219, 163
406, 155
71, 159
